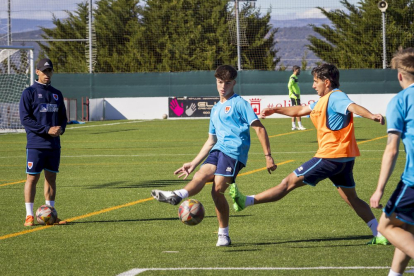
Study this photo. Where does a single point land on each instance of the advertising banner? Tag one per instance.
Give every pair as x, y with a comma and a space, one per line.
191, 106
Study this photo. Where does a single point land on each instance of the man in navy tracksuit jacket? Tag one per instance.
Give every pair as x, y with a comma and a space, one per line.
43, 115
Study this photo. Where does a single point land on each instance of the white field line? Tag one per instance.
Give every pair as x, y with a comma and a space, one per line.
86, 126
136, 271
172, 154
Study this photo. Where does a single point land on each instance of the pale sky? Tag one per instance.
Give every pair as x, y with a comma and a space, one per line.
281, 9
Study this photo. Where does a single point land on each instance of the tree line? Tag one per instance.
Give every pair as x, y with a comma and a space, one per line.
189, 35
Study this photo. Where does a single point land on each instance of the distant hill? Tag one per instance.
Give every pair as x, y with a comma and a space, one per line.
291, 38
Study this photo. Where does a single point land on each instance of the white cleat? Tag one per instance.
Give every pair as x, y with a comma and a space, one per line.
294, 128
302, 128
166, 196
223, 240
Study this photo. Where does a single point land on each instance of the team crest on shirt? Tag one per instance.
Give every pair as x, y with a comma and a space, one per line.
55, 96
227, 109
30, 165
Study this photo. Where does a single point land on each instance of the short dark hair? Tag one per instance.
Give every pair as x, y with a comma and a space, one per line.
295, 67
226, 73
327, 71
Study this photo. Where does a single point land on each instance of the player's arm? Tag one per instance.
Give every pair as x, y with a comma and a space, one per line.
189, 167
264, 141
363, 112
389, 159
291, 111
27, 118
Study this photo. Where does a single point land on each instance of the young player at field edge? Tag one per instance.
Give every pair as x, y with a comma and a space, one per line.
397, 220
43, 115
226, 150
333, 120
294, 95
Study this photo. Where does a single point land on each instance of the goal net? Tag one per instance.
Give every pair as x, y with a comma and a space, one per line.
16, 73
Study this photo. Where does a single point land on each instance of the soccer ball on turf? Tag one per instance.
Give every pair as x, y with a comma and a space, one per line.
191, 212
46, 214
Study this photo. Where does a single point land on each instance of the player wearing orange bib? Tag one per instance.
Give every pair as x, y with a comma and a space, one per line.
332, 117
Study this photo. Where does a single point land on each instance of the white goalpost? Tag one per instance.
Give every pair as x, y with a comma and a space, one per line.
16, 74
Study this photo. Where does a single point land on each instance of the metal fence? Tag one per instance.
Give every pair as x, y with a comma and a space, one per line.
62, 31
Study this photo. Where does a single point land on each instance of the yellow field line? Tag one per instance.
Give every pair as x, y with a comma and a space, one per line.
110, 208
12, 183
262, 169
372, 139
288, 133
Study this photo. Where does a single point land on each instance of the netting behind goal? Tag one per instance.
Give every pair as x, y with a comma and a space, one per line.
16, 73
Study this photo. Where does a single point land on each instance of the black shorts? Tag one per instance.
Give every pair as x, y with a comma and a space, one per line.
295, 101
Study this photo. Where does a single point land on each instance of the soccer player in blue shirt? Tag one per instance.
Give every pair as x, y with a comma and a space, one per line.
43, 115
226, 150
397, 220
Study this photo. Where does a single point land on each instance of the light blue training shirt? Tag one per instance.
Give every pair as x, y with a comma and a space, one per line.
230, 122
400, 118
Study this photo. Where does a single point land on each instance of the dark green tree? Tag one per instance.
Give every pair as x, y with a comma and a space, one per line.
160, 36
354, 38
183, 35
67, 56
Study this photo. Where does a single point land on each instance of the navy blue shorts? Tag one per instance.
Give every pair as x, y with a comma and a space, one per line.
401, 203
226, 166
42, 159
318, 169
294, 101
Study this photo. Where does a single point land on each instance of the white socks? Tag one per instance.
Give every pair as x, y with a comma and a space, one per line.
224, 231
299, 124
293, 124
183, 193
29, 208
50, 203
392, 273
249, 200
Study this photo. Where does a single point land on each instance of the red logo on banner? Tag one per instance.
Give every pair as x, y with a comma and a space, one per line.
255, 103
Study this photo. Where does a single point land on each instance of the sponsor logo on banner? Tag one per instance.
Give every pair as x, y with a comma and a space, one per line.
55, 96
30, 165
255, 103
227, 109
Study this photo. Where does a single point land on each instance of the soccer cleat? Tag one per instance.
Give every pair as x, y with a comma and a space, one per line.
302, 128
60, 222
238, 198
381, 240
294, 128
29, 221
166, 196
223, 240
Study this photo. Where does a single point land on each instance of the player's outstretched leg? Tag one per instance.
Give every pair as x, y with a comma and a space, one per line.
239, 200
166, 196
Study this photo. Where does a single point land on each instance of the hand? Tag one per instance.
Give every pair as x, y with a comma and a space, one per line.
185, 170
55, 131
266, 112
190, 110
375, 200
379, 118
178, 110
270, 164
